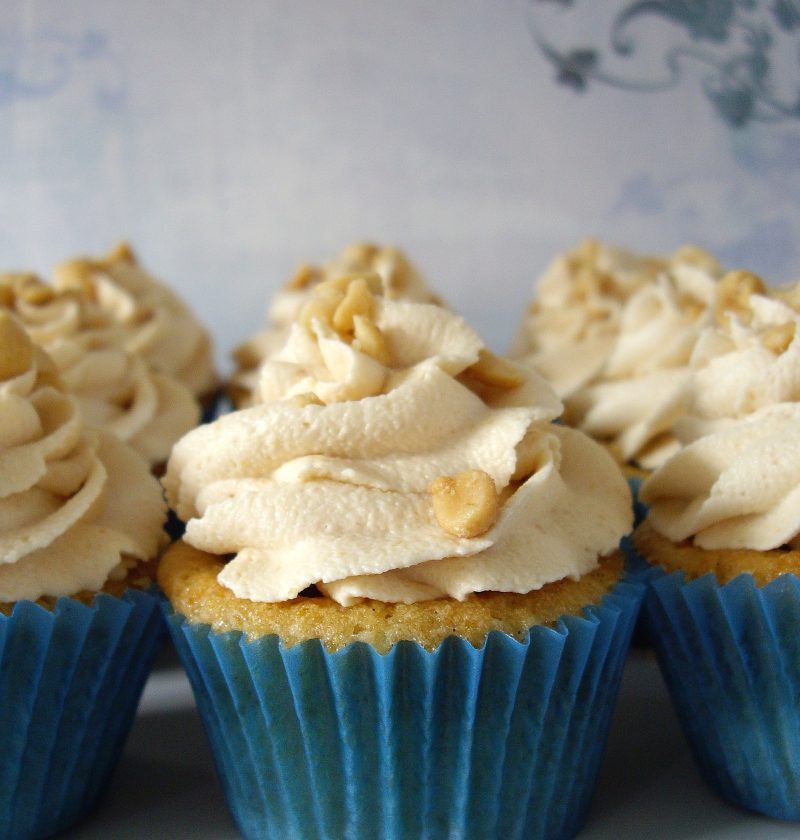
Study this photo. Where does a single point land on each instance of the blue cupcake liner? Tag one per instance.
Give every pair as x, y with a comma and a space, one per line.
70, 681
730, 656
502, 741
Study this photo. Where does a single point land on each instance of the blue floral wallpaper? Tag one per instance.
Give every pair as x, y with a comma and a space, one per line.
738, 44
230, 141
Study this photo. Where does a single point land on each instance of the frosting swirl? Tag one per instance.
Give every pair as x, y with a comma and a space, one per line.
329, 481
75, 505
400, 280
116, 391
155, 323
734, 484
736, 487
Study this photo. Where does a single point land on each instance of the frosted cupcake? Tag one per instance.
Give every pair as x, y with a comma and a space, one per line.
80, 528
393, 617
116, 390
613, 332
723, 527
156, 324
399, 279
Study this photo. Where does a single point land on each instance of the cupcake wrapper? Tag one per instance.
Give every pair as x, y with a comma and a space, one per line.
730, 656
70, 681
504, 741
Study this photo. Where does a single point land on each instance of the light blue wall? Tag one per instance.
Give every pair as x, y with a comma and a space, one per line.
230, 139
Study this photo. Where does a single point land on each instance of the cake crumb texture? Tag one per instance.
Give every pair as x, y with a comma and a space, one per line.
188, 577
726, 564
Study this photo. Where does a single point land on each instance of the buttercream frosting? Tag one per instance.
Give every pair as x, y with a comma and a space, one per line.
328, 480
734, 483
115, 389
74, 504
399, 280
155, 323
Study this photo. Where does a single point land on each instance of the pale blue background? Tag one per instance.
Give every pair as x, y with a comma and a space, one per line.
229, 140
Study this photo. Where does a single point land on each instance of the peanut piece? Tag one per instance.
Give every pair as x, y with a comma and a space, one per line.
16, 348
322, 305
121, 252
305, 275
465, 505
370, 340
697, 256
357, 301
778, 337
733, 293
37, 294
496, 371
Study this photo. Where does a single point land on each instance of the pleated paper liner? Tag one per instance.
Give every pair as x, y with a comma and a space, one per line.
70, 681
503, 741
730, 656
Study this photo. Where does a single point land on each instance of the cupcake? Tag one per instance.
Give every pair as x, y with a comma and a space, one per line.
399, 278
80, 529
613, 332
116, 390
399, 599
724, 532
156, 324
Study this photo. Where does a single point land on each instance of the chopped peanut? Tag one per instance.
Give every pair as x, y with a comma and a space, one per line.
496, 371
16, 348
697, 256
305, 275
121, 252
370, 340
465, 505
734, 291
358, 300
322, 305
37, 294
778, 337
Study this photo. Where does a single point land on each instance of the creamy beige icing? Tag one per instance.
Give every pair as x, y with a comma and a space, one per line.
736, 487
644, 384
573, 326
399, 278
156, 323
328, 480
74, 504
734, 483
116, 390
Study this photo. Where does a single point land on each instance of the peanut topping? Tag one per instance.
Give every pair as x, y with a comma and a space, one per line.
305, 275
778, 337
734, 291
347, 305
697, 256
37, 294
496, 371
16, 348
322, 305
76, 276
122, 252
357, 301
370, 340
467, 504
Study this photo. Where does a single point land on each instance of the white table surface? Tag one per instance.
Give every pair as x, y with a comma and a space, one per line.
165, 786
